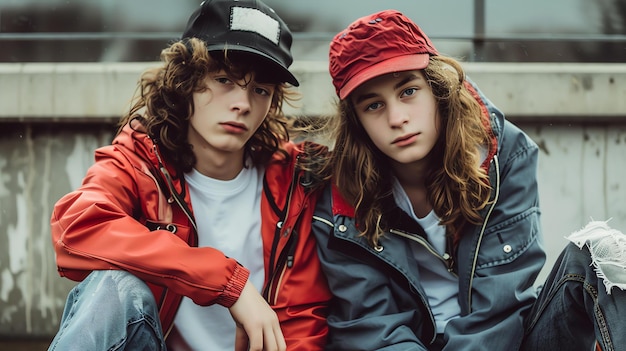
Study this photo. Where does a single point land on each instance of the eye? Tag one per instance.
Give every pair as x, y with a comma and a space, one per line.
409, 92
262, 91
223, 80
373, 106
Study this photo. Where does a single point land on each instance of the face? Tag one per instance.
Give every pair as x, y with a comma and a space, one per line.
227, 113
399, 113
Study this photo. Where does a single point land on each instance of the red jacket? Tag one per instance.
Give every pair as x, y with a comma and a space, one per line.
135, 214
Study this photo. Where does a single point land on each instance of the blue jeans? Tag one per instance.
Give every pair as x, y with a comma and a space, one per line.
110, 310
573, 309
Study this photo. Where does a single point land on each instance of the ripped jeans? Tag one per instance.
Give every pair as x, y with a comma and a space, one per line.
583, 301
110, 310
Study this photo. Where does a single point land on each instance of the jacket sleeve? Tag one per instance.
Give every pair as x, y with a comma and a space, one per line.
509, 259
93, 228
362, 316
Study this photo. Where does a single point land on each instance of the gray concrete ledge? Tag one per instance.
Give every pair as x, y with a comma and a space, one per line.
70, 92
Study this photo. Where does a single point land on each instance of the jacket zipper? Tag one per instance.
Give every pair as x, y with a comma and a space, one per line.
273, 292
446, 258
286, 257
169, 329
324, 220
174, 195
482, 232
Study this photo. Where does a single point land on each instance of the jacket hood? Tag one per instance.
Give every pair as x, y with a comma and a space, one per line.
493, 120
134, 138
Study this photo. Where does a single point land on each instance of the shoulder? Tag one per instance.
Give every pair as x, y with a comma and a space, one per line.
131, 152
515, 142
134, 143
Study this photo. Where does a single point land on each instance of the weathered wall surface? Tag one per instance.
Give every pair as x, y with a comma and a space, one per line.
38, 164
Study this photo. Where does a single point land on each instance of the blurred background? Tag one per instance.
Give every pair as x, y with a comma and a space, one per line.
478, 30
556, 68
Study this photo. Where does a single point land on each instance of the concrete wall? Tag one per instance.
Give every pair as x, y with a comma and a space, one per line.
53, 116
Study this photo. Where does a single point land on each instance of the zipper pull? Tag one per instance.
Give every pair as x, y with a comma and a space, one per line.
292, 249
289, 261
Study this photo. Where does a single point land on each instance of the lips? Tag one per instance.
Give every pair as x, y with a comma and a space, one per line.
234, 127
405, 139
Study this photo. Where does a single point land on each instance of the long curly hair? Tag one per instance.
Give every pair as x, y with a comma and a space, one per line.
457, 187
164, 100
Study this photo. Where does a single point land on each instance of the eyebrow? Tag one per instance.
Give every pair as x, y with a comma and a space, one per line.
406, 79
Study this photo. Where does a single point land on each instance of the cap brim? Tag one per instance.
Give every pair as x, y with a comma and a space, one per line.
394, 64
282, 73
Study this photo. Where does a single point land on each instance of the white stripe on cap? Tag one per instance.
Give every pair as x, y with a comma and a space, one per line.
253, 20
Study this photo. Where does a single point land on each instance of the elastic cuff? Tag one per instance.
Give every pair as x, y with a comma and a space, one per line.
235, 286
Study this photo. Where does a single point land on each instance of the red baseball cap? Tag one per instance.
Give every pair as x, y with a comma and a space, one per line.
374, 45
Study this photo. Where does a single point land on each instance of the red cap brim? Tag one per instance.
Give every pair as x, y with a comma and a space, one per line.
394, 64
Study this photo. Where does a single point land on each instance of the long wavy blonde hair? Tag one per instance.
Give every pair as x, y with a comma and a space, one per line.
164, 100
457, 187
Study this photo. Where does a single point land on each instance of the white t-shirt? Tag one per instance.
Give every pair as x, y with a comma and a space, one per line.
440, 286
228, 216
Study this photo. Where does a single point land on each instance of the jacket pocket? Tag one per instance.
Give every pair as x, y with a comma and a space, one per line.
506, 241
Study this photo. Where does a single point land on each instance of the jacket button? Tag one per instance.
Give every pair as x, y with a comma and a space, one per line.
507, 248
342, 228
378, 248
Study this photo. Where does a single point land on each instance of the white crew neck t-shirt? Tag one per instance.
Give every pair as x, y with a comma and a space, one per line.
228, 216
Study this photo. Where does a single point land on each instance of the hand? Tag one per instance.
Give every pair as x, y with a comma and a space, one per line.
257, 324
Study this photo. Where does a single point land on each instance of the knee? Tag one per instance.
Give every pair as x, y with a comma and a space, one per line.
605, 247
109, 307
131, 285
573, 253
121, 288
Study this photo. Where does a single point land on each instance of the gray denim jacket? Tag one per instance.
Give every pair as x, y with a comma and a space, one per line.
378, 301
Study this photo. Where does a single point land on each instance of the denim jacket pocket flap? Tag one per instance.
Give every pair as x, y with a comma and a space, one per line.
506, 241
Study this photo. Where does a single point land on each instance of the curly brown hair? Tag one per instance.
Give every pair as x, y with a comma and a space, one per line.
457, 188
164, 100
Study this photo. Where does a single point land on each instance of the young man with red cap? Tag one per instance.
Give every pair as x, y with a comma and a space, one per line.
430, 234
192, 229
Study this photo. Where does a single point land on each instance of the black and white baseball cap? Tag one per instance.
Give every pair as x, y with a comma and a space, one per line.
244, 25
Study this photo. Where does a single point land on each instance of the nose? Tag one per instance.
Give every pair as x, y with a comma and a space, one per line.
396, 116
241, 100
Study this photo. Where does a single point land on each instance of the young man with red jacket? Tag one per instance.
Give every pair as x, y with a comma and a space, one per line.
192, 230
